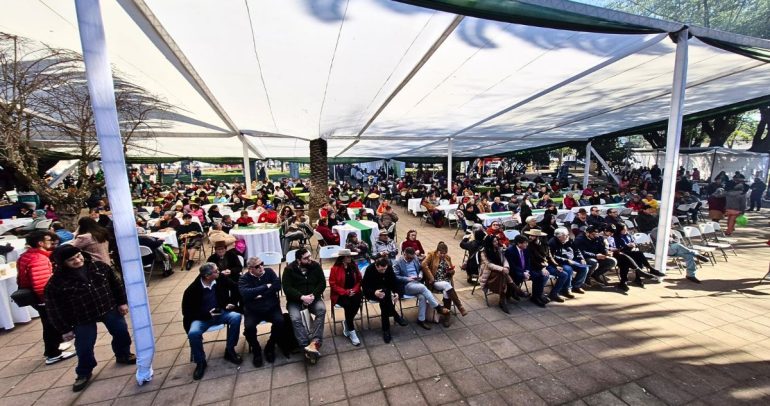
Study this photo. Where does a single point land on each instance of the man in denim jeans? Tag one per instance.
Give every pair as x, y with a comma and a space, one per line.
304, 284
407, 269
210, 300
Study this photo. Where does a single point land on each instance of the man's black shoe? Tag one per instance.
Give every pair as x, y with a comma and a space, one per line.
257, 360
537, 302
189, 265
127, 360
269, 353
597, 282
578, 290
423, 324
400, 321
622, 287
504, 306
568, 295
545, 299
693, 279
233, 357
657, 272
80, 383
556, 298
200, 369
386, 336
638, 282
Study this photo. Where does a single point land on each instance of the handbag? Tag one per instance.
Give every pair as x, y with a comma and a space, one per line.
24, 297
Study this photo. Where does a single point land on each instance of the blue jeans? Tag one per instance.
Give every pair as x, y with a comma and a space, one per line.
85, 339
579, 273
563, 279
198, 327
423, 295
679, 250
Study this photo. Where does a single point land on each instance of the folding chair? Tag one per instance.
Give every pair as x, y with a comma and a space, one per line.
213, 329
327, 252
645, 244
709, 231
143, 252
272, 258
511, 234
452, 216
359, 316
509, 224
695, 232
687, 240
319, 239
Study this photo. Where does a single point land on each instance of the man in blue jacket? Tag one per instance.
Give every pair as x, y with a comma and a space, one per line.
569, 257
518, 261
593, 249
259, 288
409, 277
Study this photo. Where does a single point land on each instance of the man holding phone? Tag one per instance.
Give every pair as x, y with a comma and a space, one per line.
211, 300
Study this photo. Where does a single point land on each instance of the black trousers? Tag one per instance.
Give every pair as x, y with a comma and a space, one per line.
51, 337
252, 320
351, 304
387, 309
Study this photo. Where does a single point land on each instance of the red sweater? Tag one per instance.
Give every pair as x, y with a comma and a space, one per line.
414, 244
35, 269
328, 235
337, 282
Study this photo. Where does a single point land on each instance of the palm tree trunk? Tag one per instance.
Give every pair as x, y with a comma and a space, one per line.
319, 176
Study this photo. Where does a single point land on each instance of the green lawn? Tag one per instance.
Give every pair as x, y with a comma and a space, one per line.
232, 176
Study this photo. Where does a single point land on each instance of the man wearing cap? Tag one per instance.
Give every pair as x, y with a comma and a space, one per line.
296, 227
580, 223
384, 247
407, 269
259, 288
210, 300
304, 284
79, 294
228, 262
593, 249
541, 258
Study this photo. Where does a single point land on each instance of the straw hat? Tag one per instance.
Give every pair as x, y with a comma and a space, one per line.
373, 196
535, 232
345, 253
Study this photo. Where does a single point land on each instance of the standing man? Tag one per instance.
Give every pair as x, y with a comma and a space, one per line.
35, 269
259, 288
210, 300
304, 284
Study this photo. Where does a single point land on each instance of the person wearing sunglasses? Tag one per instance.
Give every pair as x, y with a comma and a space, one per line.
259, 288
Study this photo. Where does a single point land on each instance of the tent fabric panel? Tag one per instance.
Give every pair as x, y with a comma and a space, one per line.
522, 12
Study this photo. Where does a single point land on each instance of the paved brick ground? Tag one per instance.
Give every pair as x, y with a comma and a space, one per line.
671, 343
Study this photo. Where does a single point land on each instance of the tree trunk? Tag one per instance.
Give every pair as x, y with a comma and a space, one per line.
656, 139
319, 176
761, 142
720, 129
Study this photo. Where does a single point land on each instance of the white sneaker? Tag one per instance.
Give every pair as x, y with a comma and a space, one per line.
354, 338
345, 331
61, 357
66, 345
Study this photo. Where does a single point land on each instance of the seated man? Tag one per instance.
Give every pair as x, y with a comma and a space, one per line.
330, 237
594, 218
210, 300
593, 249
518, 260
498, 205
304, 284
168, 221
259, 289
191, 236
569, 258
407, 270
676, 249
227, 262
380, 285
580, 223
384, 247
541, 258
647, 219
388, 220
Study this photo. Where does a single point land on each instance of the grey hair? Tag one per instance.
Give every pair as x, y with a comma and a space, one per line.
252, 261
207, 269
477, 227
560, 231
530, 218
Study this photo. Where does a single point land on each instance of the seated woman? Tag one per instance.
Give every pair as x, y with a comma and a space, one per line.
411, 241
190, 235
219, 198
353, 244
496, 230
214, 215
569, 201
227, 223
329, 236
437, 216
245, 219
495, 273
355, 203
345, 287
470, 212
196, 211
439, 271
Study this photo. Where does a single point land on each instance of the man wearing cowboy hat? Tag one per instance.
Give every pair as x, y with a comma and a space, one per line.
541, 258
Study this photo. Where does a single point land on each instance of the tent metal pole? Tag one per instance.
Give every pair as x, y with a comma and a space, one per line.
606, 167
587, 165
713, 162
674, 135
450, 148
101, 88
246, 169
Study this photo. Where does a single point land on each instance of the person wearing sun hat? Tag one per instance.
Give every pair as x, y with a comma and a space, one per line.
79, 294
541, 258
345, 287
227, 261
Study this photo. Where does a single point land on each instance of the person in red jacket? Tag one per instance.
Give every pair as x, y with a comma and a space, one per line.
330, 237
35, 269
345, 285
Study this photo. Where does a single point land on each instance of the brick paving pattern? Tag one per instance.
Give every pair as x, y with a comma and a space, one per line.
669, 344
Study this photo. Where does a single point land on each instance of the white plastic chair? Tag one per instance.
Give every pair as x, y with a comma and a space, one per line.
319, 242
143, 252
511, 234
291, 256
43, 225
691, 232
443, 202
327, 252
451, 216
709, 235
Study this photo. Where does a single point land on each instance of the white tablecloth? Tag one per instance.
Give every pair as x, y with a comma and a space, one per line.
353, 213
346, 229
258, 240
446, 207
10, 224
168, 237
413, 205
539, 213
9, 312
486, 219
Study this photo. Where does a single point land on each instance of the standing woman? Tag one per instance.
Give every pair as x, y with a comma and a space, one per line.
438, 270
495, 273
735, 205
79, 294
345, 285
93, 239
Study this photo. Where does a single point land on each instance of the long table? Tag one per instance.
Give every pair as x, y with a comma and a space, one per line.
489, 218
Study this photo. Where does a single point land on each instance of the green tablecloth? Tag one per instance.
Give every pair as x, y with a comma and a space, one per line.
296, 190
556, 200
499, 214
305, 197
484, 189
142, 201
366, 232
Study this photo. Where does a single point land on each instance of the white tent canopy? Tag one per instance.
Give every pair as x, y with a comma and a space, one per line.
380, 79
710, 161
